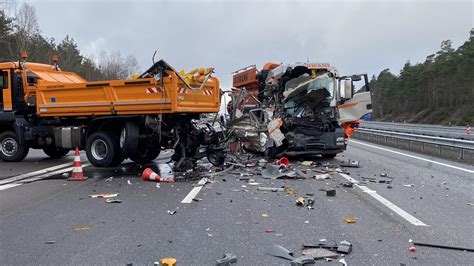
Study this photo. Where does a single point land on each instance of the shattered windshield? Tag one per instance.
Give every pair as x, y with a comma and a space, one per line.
322, 83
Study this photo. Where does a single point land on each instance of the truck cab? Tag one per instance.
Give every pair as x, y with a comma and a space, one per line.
297, 109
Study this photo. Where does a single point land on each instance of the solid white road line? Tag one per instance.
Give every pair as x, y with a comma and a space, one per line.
405, 215
39, 172
7, 186
415, 157
36, 178
193, 193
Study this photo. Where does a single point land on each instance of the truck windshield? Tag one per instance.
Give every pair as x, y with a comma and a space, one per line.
326, 83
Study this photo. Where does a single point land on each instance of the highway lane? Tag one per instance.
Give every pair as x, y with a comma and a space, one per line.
229, 217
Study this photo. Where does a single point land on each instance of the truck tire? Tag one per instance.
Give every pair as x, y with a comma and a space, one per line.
129, 138
145, 154
10, 149
54, 152
103, 149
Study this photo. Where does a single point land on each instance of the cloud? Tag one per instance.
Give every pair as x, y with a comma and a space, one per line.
354, 36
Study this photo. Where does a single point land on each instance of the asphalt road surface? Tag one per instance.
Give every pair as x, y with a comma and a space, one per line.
45, 219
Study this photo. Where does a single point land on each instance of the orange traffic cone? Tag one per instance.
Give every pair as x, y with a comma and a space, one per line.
150, 175
77, 174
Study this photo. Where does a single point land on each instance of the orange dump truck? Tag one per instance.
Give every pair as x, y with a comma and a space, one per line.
42, 107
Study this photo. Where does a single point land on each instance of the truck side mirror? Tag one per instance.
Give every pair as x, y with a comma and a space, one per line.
347, 89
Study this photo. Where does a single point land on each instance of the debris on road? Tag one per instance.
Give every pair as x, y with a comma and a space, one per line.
349, 220
412, 249
300, 201
283, 161
264, 215
272, 189
109, 179
307, 163
171, 212
319, 253
269, 230
350, 163
303, 260
83, 228
280, 252
105, 195
50, 242
227, 260
330, 192
112, 200
344, 247
149, 175
409, 185
383, 175
128, 182
168, 261
442, 246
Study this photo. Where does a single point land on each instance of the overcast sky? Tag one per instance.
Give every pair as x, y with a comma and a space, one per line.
354, 36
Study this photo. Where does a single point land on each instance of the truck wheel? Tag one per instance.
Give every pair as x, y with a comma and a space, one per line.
10, 149
129, 138
145, 154
103, 150
55, 152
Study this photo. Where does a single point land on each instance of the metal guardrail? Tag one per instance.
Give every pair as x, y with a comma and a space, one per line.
460, 144
420, 129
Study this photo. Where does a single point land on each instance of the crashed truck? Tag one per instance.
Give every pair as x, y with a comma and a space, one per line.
296, 109
43, 107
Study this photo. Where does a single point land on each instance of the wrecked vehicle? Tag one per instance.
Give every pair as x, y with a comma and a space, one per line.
46, 108
296, 109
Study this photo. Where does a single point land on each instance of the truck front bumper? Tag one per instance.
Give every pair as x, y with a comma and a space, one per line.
318, 144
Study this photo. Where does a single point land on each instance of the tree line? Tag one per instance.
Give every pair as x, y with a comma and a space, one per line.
439, 90
20, 32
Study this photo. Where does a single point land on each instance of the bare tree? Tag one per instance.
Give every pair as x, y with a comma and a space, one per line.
26, 24
114, 66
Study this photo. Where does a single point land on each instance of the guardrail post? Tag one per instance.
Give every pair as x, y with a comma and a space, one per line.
461, 154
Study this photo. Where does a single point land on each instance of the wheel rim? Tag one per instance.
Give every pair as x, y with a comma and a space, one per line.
123, 135
9, 147
99, 149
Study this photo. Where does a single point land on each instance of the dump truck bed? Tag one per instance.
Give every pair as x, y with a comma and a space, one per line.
127, 97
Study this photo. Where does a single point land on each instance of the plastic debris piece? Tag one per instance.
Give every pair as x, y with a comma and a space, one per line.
264, 215
330, 192
303, 260
227, 260
50, 242
171, 212
348, 184
104, 195
322, 177
412, 249
280, 252
272, 171
254, 184
300, 201
409, 185
283, 161
306, 222
83, 228
158, 185
307, 163
350, 163
109, 179
310, 202
272, 189
350, 220
343, 261
383, 175
319, 253
168, 261
290, 191
112, 200
269, 230
128, 182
